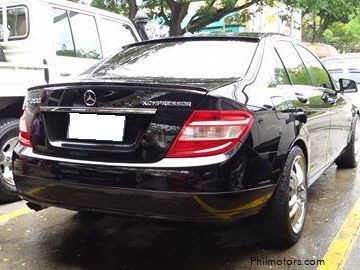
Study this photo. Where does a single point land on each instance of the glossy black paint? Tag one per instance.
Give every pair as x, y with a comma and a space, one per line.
128, 178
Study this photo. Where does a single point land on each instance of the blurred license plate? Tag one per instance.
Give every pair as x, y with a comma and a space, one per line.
96, 127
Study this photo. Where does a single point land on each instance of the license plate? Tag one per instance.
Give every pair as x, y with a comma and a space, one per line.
96, 127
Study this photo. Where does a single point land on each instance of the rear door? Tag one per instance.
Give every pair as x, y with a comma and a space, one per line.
308, 99
341, 115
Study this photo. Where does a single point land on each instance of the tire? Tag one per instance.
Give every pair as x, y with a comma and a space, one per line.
285, 214
9, 130
350, 157
2, 55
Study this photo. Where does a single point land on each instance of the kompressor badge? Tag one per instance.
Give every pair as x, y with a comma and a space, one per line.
167, 103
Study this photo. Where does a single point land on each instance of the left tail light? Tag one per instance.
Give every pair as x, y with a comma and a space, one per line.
24, 135
208, 133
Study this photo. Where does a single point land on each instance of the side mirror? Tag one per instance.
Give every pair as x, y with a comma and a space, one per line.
141, 20
348, 86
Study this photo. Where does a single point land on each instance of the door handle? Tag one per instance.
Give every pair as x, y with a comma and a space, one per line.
302, 98
65, 74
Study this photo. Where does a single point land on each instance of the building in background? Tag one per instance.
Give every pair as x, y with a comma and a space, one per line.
278, 19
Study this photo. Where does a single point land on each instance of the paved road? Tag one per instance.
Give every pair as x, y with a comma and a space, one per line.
61, 239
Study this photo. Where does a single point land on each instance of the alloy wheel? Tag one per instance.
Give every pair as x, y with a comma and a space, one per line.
297, 194
6, 161
357, 140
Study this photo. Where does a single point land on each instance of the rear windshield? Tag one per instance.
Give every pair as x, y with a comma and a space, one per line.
210, 59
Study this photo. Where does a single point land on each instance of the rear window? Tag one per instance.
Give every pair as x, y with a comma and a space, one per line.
193, 59
17, 23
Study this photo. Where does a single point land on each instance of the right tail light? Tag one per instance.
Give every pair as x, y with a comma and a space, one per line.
208, 133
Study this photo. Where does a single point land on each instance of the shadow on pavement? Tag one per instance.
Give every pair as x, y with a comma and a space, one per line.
122, 243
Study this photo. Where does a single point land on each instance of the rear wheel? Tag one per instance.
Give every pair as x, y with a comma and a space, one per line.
287, 209
9, 130
350, 157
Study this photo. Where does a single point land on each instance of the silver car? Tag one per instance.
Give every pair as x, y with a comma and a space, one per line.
345, 66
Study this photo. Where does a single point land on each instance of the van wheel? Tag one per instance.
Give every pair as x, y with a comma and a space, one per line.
2, 55
9, 131
285, 214
350, 157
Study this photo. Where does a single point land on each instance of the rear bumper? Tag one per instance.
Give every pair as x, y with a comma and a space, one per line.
189, 194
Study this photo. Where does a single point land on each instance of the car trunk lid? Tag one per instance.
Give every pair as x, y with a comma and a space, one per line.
152, 114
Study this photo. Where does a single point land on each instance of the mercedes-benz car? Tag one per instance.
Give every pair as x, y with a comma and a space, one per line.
205, 129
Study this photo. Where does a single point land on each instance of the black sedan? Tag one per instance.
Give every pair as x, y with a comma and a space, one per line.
199, 129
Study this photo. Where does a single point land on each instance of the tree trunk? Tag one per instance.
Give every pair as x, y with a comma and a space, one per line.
313, 40
133, 8
178, 11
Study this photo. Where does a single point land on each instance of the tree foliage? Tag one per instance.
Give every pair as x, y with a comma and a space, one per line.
174, 11
125, 7
344, 36
319, 15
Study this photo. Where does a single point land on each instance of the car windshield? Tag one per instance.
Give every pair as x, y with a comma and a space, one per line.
193, 59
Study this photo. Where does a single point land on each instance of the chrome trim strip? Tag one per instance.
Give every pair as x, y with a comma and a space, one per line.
98, 110
164, 163
80, 145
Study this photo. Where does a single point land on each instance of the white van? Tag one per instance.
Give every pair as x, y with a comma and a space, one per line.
48, 41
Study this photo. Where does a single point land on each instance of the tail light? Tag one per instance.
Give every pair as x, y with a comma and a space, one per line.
24, 136
208, 133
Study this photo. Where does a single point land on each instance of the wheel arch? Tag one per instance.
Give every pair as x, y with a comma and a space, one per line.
11, 107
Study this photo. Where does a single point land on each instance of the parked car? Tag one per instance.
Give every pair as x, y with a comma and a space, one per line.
345, 66
48, 41
198, 129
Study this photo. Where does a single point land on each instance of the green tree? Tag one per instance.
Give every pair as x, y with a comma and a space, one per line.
174, 11
319, 15
125, 7
344, 36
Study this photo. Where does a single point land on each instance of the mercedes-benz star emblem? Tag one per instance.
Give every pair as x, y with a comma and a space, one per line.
90, 98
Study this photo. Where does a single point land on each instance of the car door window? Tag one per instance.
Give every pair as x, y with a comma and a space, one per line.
273, 72
85, 35
317, 72
293, 63
114, 35
64, 44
